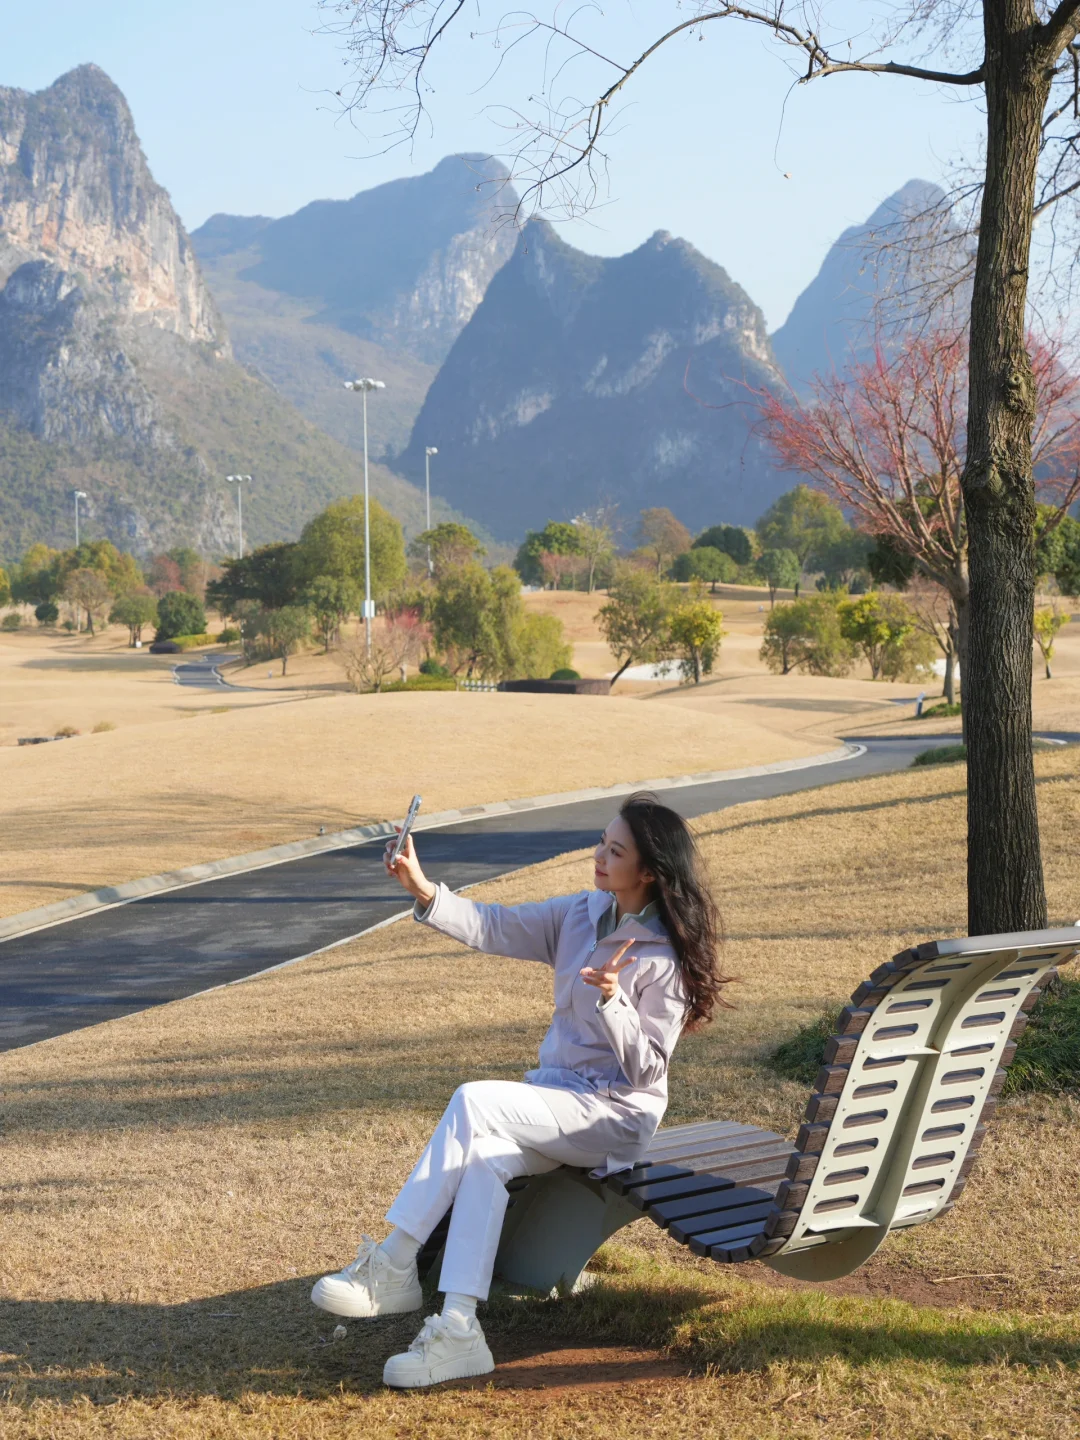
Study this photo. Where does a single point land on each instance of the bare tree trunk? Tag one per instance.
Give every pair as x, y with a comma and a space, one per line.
1005, 879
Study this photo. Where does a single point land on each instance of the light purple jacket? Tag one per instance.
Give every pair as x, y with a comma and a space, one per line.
607, 1063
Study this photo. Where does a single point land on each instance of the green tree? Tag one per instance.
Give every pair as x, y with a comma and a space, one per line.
636, 619
47, 613
36, 580
465, 621
284, 630
663, 536
696, 629
447, 544
88, 590
805, 635
333, 544
331, 602
876, 624
5, 587
733, 540
180, 614
267, 577
780, 570
844, 559
804, 522
1057, 550
558, 537
704, 563
119, 568
596, 540
135, 610
1047, 624
540, 647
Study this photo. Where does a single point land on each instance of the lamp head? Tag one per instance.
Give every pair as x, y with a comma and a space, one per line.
366, 384
80, 494
431, 450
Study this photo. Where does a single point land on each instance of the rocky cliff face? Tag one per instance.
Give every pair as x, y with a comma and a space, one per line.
115, 368
76, 191
381, 284
579, 379
869, 285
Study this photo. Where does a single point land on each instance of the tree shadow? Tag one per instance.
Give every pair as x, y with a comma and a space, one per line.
270, 1340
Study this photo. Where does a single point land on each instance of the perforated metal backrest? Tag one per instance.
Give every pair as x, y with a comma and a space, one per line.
908, 1086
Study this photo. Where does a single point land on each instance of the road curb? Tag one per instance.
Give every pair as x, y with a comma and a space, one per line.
112, 895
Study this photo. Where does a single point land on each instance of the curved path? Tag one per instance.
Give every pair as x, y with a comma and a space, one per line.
167, 946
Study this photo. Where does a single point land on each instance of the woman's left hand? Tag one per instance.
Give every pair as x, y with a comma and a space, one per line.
606, 978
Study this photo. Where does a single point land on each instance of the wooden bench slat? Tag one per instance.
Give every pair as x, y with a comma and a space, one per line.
642, 1196
703, 1244
626, 1180
730, 1207
771, 1161
663, 1212
738, 1148
667, 1141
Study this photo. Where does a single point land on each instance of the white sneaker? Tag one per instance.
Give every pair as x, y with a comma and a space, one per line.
444, 1350
369, 1286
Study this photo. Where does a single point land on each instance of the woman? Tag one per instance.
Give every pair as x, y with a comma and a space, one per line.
635, 961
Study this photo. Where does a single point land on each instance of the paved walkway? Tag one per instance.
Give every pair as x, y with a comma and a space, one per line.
166, 946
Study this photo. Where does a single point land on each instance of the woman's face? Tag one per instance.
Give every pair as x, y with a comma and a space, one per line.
618, 865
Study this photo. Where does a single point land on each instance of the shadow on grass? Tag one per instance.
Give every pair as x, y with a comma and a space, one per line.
269, 1340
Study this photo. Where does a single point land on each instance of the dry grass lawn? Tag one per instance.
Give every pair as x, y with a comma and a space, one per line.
173, 1180
99, 809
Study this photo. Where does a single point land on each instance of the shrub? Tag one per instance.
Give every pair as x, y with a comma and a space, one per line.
434, 668
939, 712
180, 614
11, 621
192, 642
540, 645
66, 732
1047, 1053
102, 727
564, 674
421, 682
942, 755
229, 636
806, 634
47, 613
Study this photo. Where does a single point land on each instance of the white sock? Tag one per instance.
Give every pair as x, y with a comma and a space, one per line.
461, 1308
400, 1249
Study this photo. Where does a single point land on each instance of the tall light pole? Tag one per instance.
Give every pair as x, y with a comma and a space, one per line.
363, 386
428, 452
79, 495
238, 481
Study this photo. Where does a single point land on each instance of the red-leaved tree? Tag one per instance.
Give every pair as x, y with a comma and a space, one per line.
888, 440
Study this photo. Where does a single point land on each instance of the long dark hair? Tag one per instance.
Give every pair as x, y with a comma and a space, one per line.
668, 850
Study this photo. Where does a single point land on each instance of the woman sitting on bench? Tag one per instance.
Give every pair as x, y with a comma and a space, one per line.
635, 961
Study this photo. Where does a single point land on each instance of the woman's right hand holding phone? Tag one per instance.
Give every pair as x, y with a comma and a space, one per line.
407, 872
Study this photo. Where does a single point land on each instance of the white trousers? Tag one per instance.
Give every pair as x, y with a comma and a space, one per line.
491, 1132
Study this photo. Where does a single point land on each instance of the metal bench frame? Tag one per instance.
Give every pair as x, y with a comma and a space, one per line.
899, 1111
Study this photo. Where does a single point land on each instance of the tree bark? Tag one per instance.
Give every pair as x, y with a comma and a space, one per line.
1005, 879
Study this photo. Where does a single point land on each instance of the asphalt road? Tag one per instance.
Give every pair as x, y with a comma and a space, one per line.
163, 947
202, 673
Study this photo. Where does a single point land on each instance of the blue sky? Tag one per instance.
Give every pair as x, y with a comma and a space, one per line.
232, 105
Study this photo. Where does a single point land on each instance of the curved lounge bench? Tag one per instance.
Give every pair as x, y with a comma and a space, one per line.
898, 1113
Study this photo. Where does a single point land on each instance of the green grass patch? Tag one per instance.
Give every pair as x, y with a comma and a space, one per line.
940, 711
942, 755
1047, 1053
420, 682
802, 1056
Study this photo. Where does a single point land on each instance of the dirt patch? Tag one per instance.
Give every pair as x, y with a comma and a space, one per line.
534, 1364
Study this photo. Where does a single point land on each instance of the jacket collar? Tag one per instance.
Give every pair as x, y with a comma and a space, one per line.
600, 901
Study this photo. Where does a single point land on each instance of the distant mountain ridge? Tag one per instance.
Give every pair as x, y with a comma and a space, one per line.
116, 371
859, 290
581, 379
380, 284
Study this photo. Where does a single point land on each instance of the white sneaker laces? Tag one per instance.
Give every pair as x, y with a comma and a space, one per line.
365, 1259
434, 1326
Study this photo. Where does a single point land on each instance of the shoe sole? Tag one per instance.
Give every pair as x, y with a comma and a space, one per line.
339, 1305
479, 1364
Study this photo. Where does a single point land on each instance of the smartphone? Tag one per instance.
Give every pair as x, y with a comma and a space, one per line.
404, 832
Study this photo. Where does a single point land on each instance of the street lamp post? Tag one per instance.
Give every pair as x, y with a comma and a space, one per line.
429, 450
79, 495
363, 386
238, 480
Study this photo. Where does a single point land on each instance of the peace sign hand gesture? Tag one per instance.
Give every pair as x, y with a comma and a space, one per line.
606, 979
